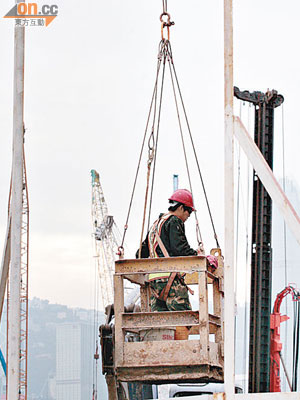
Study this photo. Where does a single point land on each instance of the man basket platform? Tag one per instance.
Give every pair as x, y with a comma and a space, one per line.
161, 361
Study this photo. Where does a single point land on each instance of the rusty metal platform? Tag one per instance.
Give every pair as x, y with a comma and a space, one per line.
197, 360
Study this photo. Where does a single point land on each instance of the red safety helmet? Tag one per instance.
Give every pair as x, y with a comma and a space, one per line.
183, 196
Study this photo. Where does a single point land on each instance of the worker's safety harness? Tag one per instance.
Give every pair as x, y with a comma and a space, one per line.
154, 241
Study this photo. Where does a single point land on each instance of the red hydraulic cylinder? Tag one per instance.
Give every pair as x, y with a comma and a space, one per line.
275, 343
276, 346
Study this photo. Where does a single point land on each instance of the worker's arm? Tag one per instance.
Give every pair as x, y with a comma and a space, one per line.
178, 242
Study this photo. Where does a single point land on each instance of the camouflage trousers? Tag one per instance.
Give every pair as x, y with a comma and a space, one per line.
177, 300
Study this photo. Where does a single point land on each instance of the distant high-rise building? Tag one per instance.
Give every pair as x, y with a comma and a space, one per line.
74, 361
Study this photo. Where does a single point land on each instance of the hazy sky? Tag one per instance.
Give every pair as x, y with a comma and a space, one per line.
89, 77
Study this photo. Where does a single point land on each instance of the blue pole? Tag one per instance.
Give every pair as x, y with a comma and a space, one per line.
3, 363
175, 182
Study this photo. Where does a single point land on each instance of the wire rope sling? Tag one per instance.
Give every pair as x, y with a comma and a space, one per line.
163, 282
165, 64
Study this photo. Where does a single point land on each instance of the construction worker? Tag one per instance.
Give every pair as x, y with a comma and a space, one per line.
166, 238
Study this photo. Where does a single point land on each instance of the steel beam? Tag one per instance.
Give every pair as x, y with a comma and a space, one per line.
153, 319
267, 178
154, 265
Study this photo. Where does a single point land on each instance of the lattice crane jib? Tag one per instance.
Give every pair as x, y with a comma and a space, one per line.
23, 359
105, 243
24, 290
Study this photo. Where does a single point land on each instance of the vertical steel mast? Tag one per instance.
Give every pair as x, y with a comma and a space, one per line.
228, 202
261, 257
14, 312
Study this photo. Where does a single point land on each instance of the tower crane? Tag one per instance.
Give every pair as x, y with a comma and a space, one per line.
105, 235
21, 358
14, 266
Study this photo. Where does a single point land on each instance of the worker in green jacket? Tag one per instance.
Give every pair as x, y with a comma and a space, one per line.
166, 237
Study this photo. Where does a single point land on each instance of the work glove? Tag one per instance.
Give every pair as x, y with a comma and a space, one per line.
213, 261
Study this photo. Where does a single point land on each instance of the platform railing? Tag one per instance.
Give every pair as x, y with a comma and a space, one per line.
199, 359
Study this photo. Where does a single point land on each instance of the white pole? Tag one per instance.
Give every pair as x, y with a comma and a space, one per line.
229, 204
13, 356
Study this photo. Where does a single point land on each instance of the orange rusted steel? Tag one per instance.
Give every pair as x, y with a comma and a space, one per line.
198, 360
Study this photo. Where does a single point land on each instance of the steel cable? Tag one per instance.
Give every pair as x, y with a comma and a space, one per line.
284, 226
141, 153
165, 6
246, 261
157, 131
198, 232
295, 346
151, 151
165, 54
194, 150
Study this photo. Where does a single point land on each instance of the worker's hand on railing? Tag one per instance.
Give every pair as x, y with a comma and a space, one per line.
200, 251
120, 252
213, 261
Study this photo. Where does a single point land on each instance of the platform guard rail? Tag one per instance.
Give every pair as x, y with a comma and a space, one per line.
196, 360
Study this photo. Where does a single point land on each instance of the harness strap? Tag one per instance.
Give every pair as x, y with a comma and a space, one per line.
155, 294
161, 245
183, 283
152, 237
165, 292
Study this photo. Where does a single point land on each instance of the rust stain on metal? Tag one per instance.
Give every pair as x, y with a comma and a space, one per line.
219, 396
170, 360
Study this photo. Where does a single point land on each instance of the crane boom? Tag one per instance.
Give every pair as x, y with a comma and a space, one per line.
105, 242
